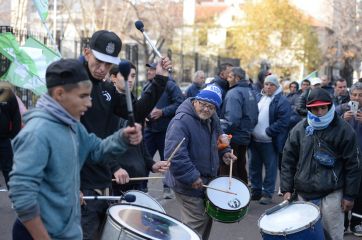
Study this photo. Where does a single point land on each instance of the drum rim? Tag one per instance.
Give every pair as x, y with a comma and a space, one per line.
226, 210
164, 211
295, 230
138, 234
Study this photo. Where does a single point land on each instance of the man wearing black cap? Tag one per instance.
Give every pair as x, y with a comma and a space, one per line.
160, 117
103, 119
321, 162
49, 152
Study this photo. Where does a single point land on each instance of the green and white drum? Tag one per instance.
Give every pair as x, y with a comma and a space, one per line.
226, 207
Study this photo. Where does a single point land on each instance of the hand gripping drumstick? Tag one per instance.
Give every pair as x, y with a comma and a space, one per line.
277, 207
176, 149
220, 190
141, 178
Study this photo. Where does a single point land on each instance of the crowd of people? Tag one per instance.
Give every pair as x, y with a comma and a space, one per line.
79, 140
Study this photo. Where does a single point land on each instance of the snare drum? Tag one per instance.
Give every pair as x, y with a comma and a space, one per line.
126, 222
224, 207
144, 200
297, 221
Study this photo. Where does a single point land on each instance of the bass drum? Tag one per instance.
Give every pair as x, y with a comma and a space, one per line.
145, 200
130, 222
225, 207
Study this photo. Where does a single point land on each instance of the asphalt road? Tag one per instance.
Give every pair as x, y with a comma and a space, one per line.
246, 229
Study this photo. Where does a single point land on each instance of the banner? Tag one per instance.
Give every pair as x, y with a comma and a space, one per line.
28, 63
42, 7
311, 75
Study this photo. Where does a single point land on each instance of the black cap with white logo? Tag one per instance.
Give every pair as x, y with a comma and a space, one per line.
105, 46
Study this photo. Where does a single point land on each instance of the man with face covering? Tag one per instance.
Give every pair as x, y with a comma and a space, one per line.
321, 163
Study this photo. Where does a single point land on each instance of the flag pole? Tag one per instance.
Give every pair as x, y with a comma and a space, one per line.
52, 39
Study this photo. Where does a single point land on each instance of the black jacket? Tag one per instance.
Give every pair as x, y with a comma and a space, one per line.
103, 120
301, 172
10, 118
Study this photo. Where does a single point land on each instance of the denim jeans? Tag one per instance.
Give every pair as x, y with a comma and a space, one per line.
263, 154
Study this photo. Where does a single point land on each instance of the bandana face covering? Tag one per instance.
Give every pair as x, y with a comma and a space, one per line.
319, 123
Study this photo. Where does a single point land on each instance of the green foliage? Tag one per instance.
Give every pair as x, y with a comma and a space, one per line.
274, 30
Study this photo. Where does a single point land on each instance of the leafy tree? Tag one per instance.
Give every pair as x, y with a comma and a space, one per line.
277, 31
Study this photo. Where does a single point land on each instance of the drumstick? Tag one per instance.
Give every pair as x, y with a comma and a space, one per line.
141, 178
176, 149
231, 170
220, 190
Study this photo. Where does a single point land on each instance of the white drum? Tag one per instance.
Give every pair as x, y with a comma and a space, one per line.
225, 207
144, 200
127, 222
299, 220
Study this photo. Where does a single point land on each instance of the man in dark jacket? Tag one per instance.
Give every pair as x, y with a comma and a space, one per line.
321, 162
103, 119
10, 124
341, 94
197, 160
197, 83
220, 79
239, 116
160, 117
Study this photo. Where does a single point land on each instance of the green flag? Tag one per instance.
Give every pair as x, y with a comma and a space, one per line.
28, 63
311, 75
42, 7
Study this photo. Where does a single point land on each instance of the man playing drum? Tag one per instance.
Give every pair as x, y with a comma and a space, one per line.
321, 162
50, 151
197, 160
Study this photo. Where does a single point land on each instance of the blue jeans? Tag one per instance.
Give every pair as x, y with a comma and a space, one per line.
263, 154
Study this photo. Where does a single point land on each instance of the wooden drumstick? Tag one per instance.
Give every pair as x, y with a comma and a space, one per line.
220, 190
231, 170
176, 149
141, 178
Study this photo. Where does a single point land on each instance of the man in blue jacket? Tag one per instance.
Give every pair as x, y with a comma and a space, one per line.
197, 160
160, 117
50, 151
239, 116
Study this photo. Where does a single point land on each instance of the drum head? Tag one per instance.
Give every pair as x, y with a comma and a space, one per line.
150, 224
145, 200
228, 201
293, 218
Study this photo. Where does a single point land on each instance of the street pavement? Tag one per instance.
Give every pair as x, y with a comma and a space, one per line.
246, 229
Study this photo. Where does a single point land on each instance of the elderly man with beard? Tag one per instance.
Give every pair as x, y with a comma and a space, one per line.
197, 160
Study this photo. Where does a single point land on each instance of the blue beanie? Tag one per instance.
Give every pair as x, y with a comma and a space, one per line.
211, 94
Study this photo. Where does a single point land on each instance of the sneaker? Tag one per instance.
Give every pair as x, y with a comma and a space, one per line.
265, 200
357, 230
255, 196
167, 193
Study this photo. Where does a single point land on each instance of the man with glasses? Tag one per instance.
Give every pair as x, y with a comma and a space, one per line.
197, 160
102, 119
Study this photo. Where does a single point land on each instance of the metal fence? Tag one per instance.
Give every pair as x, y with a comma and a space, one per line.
184, 64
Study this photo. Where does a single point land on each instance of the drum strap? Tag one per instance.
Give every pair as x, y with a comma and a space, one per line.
102, 192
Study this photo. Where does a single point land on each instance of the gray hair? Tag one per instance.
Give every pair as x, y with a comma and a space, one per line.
356, 86
198, 73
